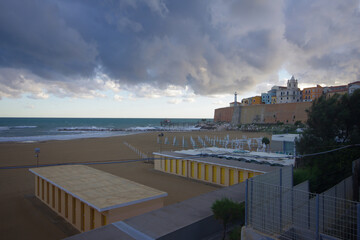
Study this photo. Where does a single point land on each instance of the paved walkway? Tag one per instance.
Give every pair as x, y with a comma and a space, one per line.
190, 219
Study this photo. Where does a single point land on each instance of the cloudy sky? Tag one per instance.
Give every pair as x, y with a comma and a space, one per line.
162, 58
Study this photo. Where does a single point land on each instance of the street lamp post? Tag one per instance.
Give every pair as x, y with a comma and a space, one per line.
37, 154
160, 137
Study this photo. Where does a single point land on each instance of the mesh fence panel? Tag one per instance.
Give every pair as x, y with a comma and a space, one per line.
290, 213
281, 175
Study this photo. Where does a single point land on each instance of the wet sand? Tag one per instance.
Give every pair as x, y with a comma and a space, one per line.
25, 217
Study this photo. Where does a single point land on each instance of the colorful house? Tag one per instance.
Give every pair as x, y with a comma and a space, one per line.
270, 96
256, 100
265, 98
311, 93
331, 91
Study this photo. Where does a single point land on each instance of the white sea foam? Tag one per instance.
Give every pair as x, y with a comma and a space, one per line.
6, 128
168, 128
63, 137
142, 129
193, 128
86, 129
103, 129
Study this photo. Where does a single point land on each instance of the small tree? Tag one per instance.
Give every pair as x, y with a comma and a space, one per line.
299, 124
227, 212
266, 141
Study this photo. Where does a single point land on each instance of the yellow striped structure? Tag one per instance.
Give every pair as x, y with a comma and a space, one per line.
89, 198
209, 169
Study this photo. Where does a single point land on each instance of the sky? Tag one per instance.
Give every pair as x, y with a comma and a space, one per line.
167, 58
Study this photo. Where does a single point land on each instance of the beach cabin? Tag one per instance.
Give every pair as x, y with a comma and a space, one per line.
215, 170
89, 198
284, 143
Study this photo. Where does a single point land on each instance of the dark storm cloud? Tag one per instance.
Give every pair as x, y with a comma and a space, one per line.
210, 46
325, 40
35, 37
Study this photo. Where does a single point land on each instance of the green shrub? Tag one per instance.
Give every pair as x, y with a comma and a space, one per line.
235, 234
301, 175
265, 140
299, 124
228, 211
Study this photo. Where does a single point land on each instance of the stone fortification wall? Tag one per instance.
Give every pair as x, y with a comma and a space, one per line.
271, 113
223, 114
264, 113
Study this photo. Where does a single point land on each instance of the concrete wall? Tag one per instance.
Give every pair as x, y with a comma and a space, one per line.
277, 146
202, 171
264, 113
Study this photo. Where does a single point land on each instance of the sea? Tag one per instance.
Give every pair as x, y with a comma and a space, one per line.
44, 129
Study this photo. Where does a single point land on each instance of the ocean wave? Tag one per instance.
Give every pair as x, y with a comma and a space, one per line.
21, 127
158, 128
130, 129
142, 129
88, 129
41, 138
5, 128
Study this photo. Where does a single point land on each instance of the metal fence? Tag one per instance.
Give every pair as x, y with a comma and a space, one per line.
287, 212
282, 177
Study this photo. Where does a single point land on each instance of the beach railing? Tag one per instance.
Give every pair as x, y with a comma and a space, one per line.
137, 151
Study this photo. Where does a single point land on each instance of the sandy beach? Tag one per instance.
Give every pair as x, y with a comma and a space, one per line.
25, 217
